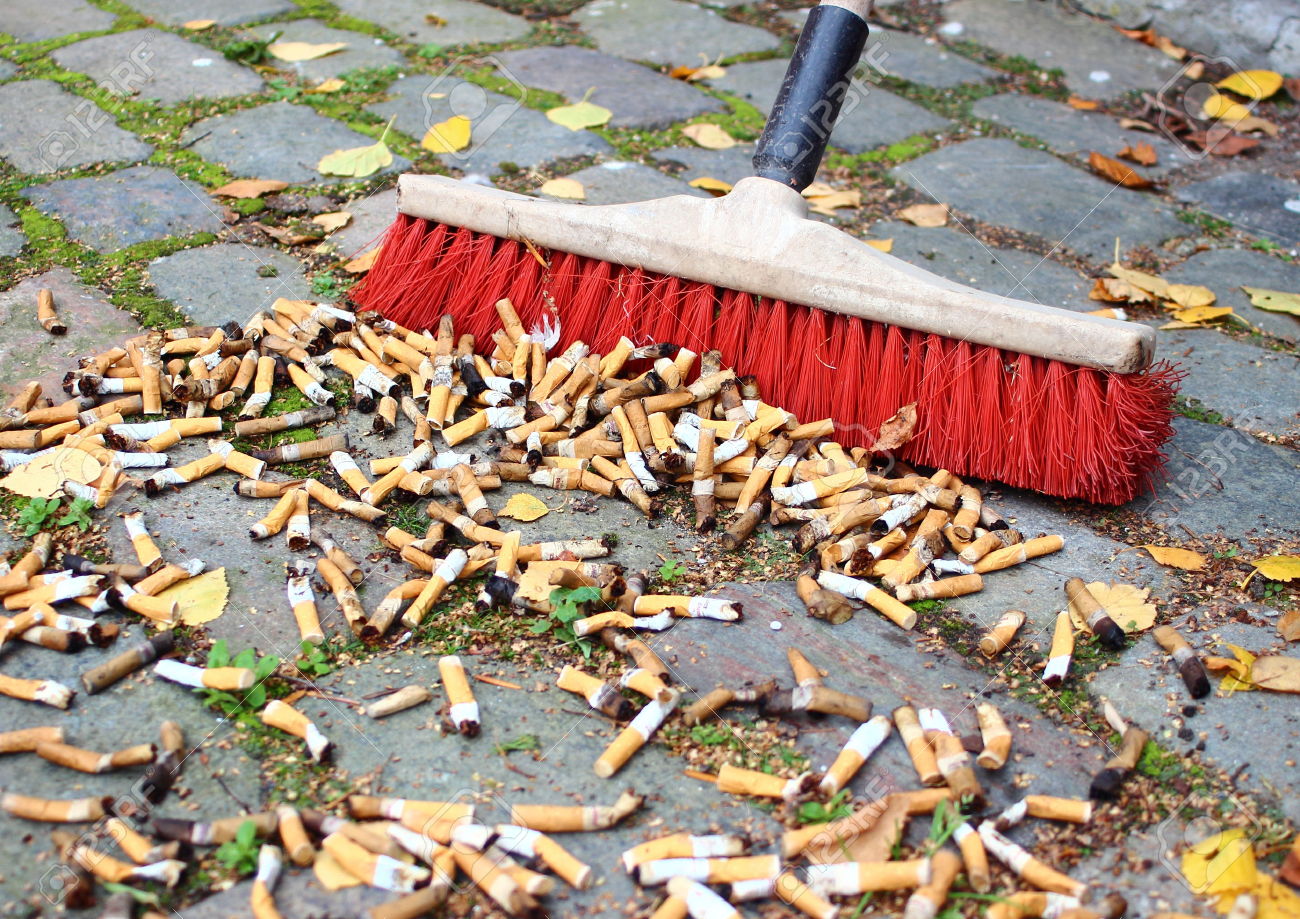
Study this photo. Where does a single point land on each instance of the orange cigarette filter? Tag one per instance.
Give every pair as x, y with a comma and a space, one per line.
532, 844
737, 781
26, 740
49, 810
464, 710
1045, 807
853, 878
864, 741
278, 517
973, 856
636, 734
711, 870
563, 818
700, 901
1001, 634
302, 600
1021, 552
1029, 869
918, 748
683, 845
145, 549
294, 835
790, 890
926, 901
279, 714
377, 870
47, 692
80, 760
262, 896
995, 735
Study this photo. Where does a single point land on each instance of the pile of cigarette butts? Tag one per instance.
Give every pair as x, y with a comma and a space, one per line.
626, 423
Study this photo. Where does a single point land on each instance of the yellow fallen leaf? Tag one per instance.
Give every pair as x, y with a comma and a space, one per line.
1221, 108
1253, 84
1275, 301
201, 598
1238, 679
1140, 279
1126, 605
198, 25
332, 85
1174, 557
1113, 290
817, 190
709, 136
249, 188
1223, 863
336, 220
1083, 105
358, 162
364, 262
1288, 625
569, 189
1276, 672
580, 115
44, 476
1278, 567
716, 186
303, 50
826, 204
1197, 315
524, 507
450, 136
925, 215
884, 245
1274, 900
1252, 123
1189, 295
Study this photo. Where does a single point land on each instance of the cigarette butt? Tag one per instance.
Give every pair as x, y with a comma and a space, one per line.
1016, 554
1058, 658
302, 600
1085, 604
711, 870
853, 878
864, 741
993, 643
737, 781
1024, 865
278, 517
600, 695
683, 845
995, 735
1045, 807
918, 748
974, 858
942, 588
892, 609
146, 551
494, 881
382, 871
1190, 666
46, 314
349, 472
464, 711
926, 901
297, 530
294, 835
138, 847
26, 740
400, 701
989, 542
50, 810
229, 679
279, 714
344, 593
47, 692
1106, 784
80, 760
700, 901
261, 897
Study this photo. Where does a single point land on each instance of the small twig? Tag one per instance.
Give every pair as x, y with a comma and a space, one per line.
513, 768
224, 787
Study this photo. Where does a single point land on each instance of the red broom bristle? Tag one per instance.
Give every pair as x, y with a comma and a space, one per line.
984, 412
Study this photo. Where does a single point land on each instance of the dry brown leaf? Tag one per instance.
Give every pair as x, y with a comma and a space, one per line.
1275, 672
826, 204
706, 71
1116, 171
568, 189
1083, 105
332, 85
1197, 315
713, 186
1278, 567
872, 846
363, 263
198, 25
294, 51
201, 598
1288, 625
817, 190
884, 245
1292, 87
1137, 124
1114, 290
44, 476
524, 507
1141, 153
1189, 295
1222, 141
290, 236
1140, 279
1253, 84
709, 136
897, 430
335, 220
1155, 40
1253, 123
1174, 557
1128, 606
249, 188
925, 215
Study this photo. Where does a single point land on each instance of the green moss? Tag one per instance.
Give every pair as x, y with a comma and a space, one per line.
247, 206
1190, 407
1210, 225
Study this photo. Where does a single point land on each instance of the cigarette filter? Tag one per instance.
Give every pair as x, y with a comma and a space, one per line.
853, 878
229, 679
1058, 658
737, 781
1045, 807
302, 600
1190, 666
380, 871
279, 714
926, 901
138, 847
600, 695
491, 877
918, 748
47, 692
1018, 553
993, 643
262, 898
974, 858
896, 612
400, 701
1025, 866
1085, 604
683, 846
145, 549
950, 756
863, 742
48, 810
995, 735
827, 605
701, 902
26, 740
80, 760
446, 573
46, 313
294, 835
464, 711
710, 870
1106, 784
688, 607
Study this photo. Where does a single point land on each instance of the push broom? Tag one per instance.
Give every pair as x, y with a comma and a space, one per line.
1034, 396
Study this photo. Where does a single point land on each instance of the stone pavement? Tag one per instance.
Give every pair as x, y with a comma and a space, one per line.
116, 123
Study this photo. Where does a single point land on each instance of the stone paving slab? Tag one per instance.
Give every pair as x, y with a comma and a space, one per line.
445, 23
1223, 481
958, 256
117, 210
370, 218
1070, 132
28, 352
37, 20
870, 118
730, 165
217, 284
668, 31
1000, 182
1098, 62
503, 130
619, 182
225, 12
1227, 727
1260, 204
1226, 271
12, 239
1217, 367
638, 97
158, 65
362, 50
7, 69
44, 129
277, 141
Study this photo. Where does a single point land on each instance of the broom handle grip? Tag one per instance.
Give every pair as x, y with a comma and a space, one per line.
815, 85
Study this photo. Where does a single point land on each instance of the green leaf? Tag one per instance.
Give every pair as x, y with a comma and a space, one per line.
79, 514
265, 667
580, 115
246, 833
358, 162
246, 658
540, 626
671, 570
256, 697
219, 656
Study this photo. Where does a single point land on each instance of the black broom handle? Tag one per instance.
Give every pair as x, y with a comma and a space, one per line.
799, 127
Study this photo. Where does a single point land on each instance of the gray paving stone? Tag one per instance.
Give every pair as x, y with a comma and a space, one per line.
7, 70
225, 12
955, 254
618, 182
362, 50
638, 97
1253, 388
1262, 205
1258, 732
1000, 182
12, 239
217, 284
667, 31
277, 141
503, 130
28, 352
869, 119
1221, 480
36, 20
158, 65
123, 208
1226, 271
1098, 62
1070, 132
730, 165
44, 129
445, 23
370, 218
